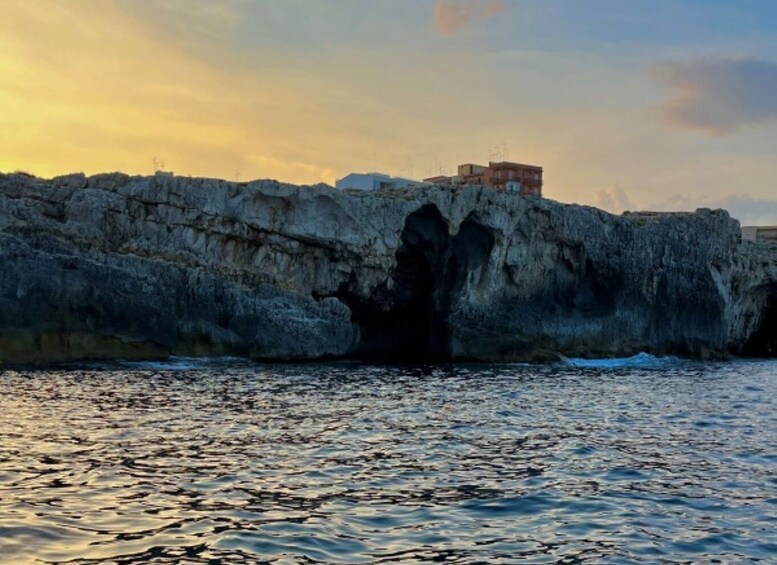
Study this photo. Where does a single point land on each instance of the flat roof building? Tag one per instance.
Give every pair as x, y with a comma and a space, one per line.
440, 180
759, 233
374, 181
517, 178
523, 179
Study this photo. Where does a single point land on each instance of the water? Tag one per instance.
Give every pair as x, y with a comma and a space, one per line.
223, 462
639, 361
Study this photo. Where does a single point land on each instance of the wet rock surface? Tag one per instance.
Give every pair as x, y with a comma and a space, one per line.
113, 266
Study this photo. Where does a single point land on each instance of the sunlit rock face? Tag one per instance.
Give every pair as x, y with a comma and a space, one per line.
113, 266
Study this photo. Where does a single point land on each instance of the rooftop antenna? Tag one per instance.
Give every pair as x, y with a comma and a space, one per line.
237, 175
156, 163
505, 151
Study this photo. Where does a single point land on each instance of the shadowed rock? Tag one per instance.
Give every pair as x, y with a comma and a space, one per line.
113, 266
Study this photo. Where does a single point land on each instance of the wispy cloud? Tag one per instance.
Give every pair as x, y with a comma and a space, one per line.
613, 199
108, 105
187, 21
720, 96
745, 208
453, 16
268, 166
303, 91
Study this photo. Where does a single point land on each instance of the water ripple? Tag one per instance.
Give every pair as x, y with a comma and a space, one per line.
228, 462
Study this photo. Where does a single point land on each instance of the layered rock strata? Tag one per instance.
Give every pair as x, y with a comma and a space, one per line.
113, 266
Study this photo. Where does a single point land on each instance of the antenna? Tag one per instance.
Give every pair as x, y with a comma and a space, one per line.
156, 163
237, 175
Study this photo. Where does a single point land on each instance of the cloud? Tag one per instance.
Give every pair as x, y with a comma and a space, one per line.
452, 16
186, 21
98, 104
719, 96
746, 209
286, 169
613, 199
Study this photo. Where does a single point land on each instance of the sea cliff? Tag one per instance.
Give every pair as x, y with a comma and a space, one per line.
113, 266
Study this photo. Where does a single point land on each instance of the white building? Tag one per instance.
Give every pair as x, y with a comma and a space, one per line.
759, 233
374, 181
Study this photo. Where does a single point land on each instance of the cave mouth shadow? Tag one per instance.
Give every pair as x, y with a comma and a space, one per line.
763, 342
408, 319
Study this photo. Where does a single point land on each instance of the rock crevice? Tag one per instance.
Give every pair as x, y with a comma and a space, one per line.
113, 266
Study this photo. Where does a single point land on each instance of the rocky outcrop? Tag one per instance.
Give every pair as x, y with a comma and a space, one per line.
112, 266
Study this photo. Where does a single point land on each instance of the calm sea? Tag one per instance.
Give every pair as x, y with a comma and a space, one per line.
638, 461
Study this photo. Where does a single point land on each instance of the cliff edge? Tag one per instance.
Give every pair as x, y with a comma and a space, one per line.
113, 266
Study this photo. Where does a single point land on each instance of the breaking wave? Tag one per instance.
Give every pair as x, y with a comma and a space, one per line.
173, 363
639, 361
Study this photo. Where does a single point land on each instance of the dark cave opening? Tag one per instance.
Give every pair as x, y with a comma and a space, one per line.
409, 319
763, 343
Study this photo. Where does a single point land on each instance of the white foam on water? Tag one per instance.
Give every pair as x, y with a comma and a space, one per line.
181, 363
640, 360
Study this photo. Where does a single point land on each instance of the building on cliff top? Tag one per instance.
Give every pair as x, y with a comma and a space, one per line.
759, 233
374, 181
525, 180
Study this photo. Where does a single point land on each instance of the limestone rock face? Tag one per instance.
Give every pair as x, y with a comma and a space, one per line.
112, 266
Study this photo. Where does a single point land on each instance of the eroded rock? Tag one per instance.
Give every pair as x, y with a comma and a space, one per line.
112, 266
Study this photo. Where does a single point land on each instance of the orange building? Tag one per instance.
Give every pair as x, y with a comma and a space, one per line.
525, 180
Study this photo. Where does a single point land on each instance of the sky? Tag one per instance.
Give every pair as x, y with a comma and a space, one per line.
627, 104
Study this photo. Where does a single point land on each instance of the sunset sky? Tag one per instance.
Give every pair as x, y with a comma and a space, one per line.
667, 104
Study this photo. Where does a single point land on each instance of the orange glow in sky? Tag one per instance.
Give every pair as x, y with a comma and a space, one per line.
615, 103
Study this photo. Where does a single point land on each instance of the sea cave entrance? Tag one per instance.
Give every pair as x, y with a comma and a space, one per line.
408, 318
763, 343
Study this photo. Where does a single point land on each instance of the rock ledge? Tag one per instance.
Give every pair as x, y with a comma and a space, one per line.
113, 266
